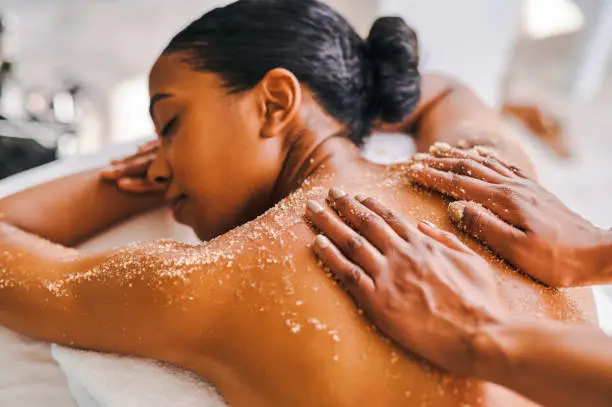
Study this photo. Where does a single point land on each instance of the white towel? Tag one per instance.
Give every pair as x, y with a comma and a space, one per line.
102, 380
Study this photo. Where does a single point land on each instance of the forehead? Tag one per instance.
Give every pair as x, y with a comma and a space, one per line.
171, 74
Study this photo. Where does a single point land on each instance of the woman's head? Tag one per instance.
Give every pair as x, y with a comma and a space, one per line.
229, 91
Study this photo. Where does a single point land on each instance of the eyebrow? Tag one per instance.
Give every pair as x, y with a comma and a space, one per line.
156, 98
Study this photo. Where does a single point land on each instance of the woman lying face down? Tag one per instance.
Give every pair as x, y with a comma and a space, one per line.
259, 106
243, 95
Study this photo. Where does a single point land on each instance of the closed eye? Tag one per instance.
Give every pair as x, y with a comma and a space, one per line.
169, 127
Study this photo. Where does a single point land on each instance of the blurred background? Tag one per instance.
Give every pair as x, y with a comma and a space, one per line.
73, 75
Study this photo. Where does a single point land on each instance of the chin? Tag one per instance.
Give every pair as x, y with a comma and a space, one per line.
203, 236
206, 230
203, 231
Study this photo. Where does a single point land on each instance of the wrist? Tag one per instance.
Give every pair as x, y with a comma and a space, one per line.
492, 348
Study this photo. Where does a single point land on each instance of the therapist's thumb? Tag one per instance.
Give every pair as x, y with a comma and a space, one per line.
485, 226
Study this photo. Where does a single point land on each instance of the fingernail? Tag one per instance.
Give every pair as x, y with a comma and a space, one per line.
428, 223
360, 198
314, 206
337, 193
421, 156
456, 210
416, 167
485, 151
440, 148
322, 242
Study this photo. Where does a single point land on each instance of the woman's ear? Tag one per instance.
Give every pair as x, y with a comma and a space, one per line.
281, 97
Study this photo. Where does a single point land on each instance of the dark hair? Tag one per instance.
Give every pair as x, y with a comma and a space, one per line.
356, 81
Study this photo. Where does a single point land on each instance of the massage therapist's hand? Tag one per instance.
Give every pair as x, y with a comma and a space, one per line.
130, 173
421, 286
514, 216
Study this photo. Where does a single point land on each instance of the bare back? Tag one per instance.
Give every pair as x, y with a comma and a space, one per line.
290, 336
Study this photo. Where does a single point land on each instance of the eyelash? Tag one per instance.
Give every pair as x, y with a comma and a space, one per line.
171, 124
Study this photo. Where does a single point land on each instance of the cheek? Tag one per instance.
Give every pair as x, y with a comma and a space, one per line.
226, 167
212, 164
203, 147
225, 140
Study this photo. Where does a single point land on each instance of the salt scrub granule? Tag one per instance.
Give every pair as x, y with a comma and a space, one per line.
440, 148
161, 260
420, 156
317, 324
485, 151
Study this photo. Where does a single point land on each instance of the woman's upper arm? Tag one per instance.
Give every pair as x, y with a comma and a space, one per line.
155, 300
450, 112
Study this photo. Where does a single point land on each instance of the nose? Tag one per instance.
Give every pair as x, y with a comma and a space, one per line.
159, 170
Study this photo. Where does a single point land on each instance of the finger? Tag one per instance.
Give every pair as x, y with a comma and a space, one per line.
354, 247
135, 167
138, 153
491, 196
465, 166
449, 183
513, 169
480, 154
368, 223
109, 173
148, 146
352, 277
499, 236
139, 185
404, 229
446, 238
112, 170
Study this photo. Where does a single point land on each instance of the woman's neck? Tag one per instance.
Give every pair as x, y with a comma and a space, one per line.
334, 154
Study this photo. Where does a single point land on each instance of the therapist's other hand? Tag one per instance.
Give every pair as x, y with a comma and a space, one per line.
130, 173
516, 217
420, 285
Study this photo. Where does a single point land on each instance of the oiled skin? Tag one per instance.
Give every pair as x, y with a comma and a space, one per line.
252, 311
307, 366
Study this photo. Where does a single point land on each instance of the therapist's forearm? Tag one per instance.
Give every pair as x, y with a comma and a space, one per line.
71, 209
554, 364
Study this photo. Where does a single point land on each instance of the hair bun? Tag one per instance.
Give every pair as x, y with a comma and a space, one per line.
394, 55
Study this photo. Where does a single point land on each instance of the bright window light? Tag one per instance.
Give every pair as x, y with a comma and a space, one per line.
549, 18
130, 110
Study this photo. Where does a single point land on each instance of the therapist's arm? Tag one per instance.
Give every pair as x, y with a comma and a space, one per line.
435, 297
517, 218
71, 209
552, 363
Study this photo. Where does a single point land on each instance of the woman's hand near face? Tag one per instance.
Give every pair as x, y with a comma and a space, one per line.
421, 286
515, 217
130, 173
